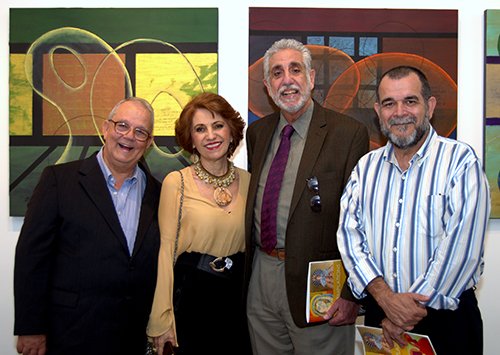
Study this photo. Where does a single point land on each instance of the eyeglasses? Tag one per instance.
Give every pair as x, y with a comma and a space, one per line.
123, 128
313, 185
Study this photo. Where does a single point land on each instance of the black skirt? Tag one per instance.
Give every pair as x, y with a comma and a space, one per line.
210, 317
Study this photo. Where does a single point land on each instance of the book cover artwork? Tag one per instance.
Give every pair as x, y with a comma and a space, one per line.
325, 282
374, 343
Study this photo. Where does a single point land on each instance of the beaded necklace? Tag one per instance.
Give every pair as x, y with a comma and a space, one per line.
222, 195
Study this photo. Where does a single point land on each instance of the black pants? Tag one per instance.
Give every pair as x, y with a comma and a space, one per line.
451, 332
210, 318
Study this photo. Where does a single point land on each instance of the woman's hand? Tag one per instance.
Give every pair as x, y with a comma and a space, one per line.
160, 341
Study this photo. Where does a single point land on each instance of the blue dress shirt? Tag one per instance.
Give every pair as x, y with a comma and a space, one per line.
127, 200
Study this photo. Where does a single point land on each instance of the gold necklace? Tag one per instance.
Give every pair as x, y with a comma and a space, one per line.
222, 196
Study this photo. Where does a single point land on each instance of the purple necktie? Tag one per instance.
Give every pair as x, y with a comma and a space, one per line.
272, 192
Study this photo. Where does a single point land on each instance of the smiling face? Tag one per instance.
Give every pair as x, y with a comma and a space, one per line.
404, 115
211, 136
288, 84
122, 151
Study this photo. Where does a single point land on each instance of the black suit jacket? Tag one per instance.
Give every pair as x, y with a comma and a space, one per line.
74, 278
334, 144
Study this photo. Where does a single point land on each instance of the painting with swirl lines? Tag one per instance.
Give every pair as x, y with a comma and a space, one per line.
70, 66
352, 48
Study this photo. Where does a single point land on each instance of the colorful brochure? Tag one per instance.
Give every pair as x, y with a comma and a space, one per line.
374, 343
324, 285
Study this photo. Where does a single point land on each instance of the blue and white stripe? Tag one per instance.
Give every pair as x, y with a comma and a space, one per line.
423, 229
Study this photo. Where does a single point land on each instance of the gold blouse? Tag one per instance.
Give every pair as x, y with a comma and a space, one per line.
205, 228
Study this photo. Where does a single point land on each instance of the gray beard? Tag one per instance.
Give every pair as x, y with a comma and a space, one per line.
294, 108
412, 139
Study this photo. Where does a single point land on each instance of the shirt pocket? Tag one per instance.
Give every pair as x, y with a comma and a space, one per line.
431, 216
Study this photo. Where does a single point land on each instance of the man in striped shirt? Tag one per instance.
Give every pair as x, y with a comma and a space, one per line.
412, 224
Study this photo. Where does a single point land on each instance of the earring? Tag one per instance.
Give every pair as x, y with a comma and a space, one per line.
194, 158
230, 150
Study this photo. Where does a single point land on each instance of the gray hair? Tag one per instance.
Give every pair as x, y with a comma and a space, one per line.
146, 105
283, 44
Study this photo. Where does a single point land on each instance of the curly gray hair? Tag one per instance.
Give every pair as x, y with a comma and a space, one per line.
287, 43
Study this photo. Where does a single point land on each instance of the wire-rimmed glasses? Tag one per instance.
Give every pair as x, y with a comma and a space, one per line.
123, 128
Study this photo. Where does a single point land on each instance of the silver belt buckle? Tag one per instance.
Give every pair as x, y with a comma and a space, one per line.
228, 264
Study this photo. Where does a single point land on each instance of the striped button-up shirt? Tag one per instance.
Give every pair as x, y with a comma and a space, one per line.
422, 229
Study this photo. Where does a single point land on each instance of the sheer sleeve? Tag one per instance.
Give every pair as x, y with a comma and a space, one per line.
161, 318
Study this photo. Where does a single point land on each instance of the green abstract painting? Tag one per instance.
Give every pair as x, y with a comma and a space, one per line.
70, 66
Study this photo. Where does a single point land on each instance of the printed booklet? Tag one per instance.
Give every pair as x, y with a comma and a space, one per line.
374, 343
324, 285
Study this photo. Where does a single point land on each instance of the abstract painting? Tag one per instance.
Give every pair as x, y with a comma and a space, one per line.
492, 107
351, 48
70, 66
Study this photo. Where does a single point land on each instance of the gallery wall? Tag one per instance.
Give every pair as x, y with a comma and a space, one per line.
233, 85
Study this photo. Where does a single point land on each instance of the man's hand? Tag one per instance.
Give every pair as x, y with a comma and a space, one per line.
160, 341
347, 312
405, 310
393, 332
32, 344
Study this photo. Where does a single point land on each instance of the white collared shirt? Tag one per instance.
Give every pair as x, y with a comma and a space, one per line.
423, 229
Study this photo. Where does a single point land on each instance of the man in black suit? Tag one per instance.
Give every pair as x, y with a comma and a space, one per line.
323, 144
87, 255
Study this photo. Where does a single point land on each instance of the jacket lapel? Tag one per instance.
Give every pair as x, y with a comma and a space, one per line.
258, 154
315, 138
260, 149
94, 184
263, 142
149, 208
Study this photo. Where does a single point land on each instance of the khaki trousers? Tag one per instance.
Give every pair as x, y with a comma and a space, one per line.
272, 330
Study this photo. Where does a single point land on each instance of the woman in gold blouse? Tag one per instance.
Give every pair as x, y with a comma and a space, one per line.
209, 315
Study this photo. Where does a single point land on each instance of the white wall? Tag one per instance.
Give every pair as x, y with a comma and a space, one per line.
233, 85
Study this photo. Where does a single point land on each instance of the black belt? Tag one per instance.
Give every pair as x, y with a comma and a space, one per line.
218, 266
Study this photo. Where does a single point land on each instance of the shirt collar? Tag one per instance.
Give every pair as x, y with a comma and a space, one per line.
110, 179
301, 125
420, 155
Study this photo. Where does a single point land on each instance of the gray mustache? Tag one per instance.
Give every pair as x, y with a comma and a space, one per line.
402, 120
